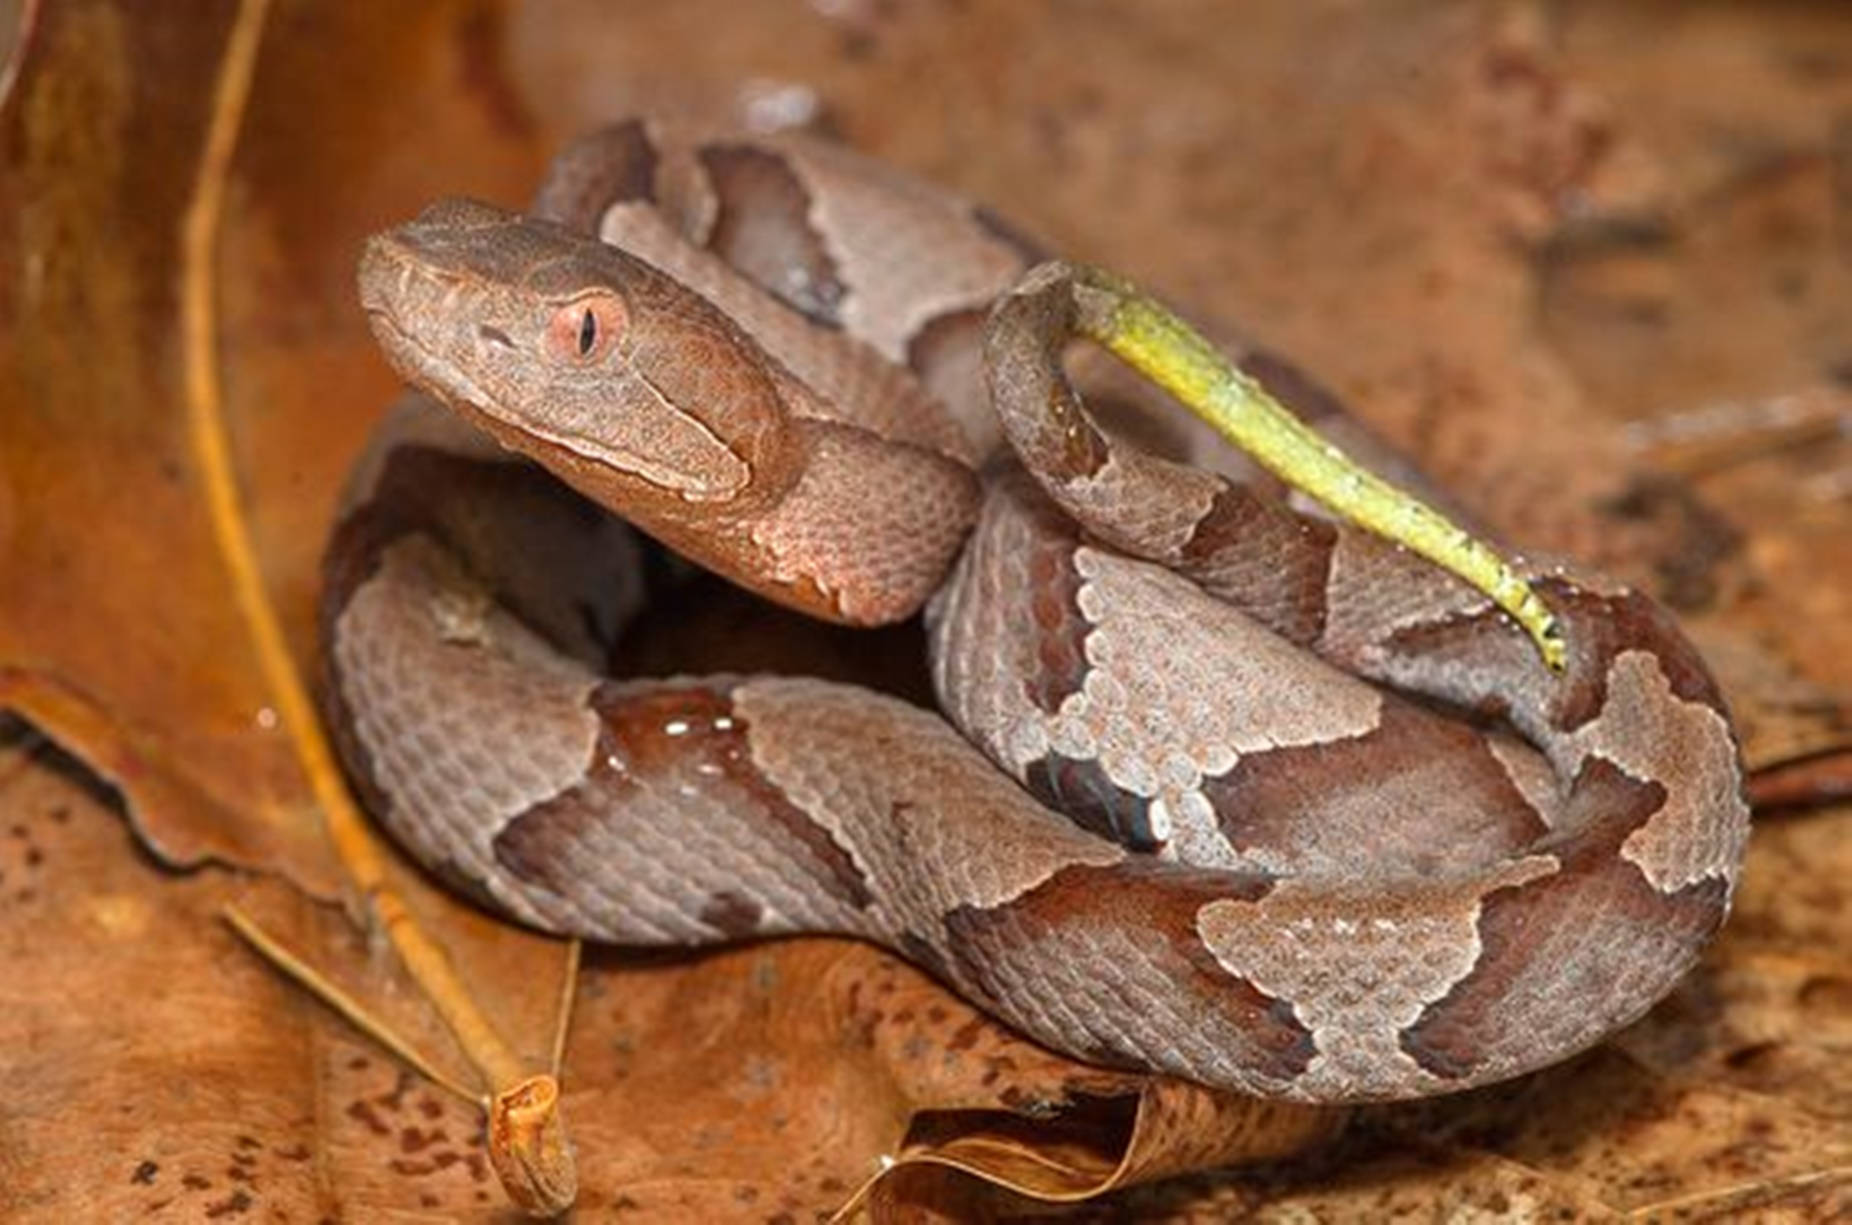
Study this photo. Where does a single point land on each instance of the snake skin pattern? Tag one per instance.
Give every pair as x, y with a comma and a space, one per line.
1332, 832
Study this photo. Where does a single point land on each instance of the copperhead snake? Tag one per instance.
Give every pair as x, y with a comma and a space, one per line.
1334, 833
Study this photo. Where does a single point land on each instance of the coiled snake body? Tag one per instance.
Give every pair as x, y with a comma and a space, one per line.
1335, 833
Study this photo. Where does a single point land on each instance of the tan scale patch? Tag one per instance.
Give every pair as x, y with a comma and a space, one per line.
1358, 969
926, 818
1646, 730
1181, 685
908, 252
1141, 502
1183, 816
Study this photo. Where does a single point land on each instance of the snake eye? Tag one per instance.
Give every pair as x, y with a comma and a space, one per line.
583, 331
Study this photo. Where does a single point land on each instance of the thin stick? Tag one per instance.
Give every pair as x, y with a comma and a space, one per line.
562, 1015
354, 843
324, 989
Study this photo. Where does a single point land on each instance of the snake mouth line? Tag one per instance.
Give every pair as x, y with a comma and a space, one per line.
418, 364
432, 372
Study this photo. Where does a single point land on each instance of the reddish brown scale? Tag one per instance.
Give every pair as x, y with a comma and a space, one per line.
1266, 560
1062, 924
1597, 627
1603, 626
1421, 794
643, 726
1054, 608
1061, 631
1082, 450
649, 734
653, 730
1588, 932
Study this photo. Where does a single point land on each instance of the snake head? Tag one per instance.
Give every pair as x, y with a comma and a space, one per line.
619, 379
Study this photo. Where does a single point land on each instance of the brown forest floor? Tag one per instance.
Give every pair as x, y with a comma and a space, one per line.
1589, 261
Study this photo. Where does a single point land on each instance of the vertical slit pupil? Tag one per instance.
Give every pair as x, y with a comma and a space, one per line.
588, 332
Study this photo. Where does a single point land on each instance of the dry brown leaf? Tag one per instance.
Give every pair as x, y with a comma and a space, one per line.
118, 634
1506, 232
145, 640
124, 640
155, 1064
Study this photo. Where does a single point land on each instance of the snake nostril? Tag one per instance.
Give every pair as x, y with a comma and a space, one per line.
494, 336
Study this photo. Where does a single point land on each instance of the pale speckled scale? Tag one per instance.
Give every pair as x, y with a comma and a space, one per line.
852, 758
1683, 746
1360, 968
860, 212
459, 720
